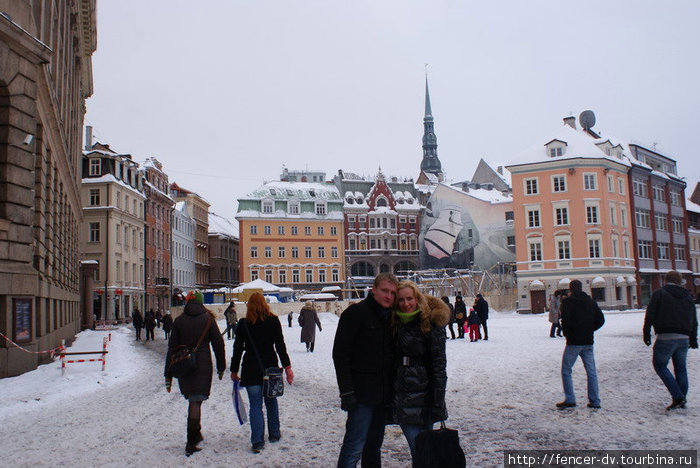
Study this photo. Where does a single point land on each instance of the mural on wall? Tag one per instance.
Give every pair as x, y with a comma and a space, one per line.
465, 229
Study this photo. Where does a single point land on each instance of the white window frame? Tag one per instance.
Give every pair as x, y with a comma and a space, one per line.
592, 212
268, 206
534, 248
293, 207
595, 246
254, 252
95, 166
590, 181
559, 183
320, 208
530, 186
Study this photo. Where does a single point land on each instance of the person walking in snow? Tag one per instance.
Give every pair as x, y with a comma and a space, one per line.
194, 324
473, 324
308, 321
137, 320
446, 300
420, 362
460, 315
159, 318
260, 332
672, 314
363, 363
482, 309
167, 324
231, 320
150, 322
554, 314
290, 318
580, 318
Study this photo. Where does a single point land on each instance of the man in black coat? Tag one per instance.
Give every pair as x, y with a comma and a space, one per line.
672, 314
580, 317
482, 310
362, 359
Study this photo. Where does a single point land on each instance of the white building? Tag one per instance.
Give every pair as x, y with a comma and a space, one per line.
183, 227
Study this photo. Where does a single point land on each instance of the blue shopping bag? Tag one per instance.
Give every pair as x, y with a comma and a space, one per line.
238, 403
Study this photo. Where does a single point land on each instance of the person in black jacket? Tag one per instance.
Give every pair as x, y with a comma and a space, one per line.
420, 361
482, 309
580, 317
193, 324
460, 315
363, 365
446, 300
137, 320
150, 322
672, 314
260, 335
167, 324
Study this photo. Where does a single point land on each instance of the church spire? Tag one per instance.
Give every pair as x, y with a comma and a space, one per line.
430, 163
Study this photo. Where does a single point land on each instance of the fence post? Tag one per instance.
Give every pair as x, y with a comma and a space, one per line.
104, 353
63, 357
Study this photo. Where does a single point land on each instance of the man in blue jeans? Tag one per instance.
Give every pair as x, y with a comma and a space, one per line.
580, 317
362, 359
672, 314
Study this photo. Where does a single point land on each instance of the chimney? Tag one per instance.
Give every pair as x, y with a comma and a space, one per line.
499, 169
88, 137
465, 187
570, 121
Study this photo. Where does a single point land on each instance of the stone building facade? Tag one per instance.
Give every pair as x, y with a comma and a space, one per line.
182, 253
198, 209
45, 77
223, 253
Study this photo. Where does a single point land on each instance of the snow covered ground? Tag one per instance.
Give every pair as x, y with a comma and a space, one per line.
501, 395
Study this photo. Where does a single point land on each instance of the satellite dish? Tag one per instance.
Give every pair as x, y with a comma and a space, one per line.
587, 119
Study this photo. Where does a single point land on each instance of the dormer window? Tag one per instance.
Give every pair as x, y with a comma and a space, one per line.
556, 148
273, 192
268, 206
95, 166
381, 202
350, 200
554, 152
312, 192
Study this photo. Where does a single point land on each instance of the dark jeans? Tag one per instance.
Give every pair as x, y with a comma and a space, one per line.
555, 328
485, 334
149, 333
230, 329
452, 331
364, 435
138, 333
460, 328
676, 350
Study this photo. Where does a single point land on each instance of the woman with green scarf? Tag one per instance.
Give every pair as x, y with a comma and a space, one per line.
420, 376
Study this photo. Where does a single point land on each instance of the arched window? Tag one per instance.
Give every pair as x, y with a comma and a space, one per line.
403, 267
362, 269
381, 201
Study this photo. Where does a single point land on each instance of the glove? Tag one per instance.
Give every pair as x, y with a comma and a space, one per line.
647, 339
348, 401
694, 343
168, 383
289, 374
221, 375
234, 376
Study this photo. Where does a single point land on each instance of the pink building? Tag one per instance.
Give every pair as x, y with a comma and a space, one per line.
572, 220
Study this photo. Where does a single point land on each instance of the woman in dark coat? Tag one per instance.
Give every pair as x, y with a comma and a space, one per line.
420, 378
167, 324
260, 328
137, 320
150, 322
308, 321
460, 315
196, 322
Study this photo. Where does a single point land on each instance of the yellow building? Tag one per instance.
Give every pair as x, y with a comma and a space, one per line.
291, 234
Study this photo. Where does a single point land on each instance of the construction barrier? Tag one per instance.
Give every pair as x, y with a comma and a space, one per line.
52, 352
110, 324
62, 353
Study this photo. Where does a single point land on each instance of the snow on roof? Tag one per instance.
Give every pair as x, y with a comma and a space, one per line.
489, 196
257, 284
222, 226
690, 206
333, 215
281, 190
109, 178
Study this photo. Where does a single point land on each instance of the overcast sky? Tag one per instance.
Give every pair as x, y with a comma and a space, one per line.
226, 92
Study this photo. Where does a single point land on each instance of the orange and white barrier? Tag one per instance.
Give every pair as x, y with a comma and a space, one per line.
62, 353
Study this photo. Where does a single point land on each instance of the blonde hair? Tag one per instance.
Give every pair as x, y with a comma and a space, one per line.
257, 308
421, 304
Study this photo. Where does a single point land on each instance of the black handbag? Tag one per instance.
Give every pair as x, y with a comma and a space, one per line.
439, 448
273, 383
183, 360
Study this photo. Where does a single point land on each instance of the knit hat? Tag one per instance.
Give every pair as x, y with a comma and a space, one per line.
195, 296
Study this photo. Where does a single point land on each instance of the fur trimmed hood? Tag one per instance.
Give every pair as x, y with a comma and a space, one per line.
438, 312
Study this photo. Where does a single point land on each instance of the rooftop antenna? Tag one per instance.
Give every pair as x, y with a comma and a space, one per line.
587, 119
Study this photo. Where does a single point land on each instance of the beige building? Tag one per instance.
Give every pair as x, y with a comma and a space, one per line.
45, 77
112, 233
198, 209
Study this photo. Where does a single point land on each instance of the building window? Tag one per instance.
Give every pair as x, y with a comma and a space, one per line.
615, 248
589, 182
510, 241
644, 249
268, 206
95, 166
679, 251
611, 183
253, 275
533, 218
334, 231
320, 208
661, 222
94, 232
293, 207
642, 217
613, 215
554, 152
334, 252
309, 276
626, 247
564, 249
280, 230
320, 230
281, 252
335, 276
295, 230
675, 197
535, 251
559, 183
118, 234
663, 251
677, 225
119, 270
623, 216
639, 186
621, 185
592, 214
268, 252
94, 197
510, 216
321, 276
531, 187
253, 252
267, 230
268, 276
253, 229
307, 230
295, 252
562, 216
351, 222
282, 276
307, 252
594, 248
295, 276
321, 252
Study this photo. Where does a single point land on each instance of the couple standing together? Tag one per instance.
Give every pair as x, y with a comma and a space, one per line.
390, 363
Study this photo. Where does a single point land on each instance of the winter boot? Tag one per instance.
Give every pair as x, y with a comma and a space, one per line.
198, 436
192, 430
